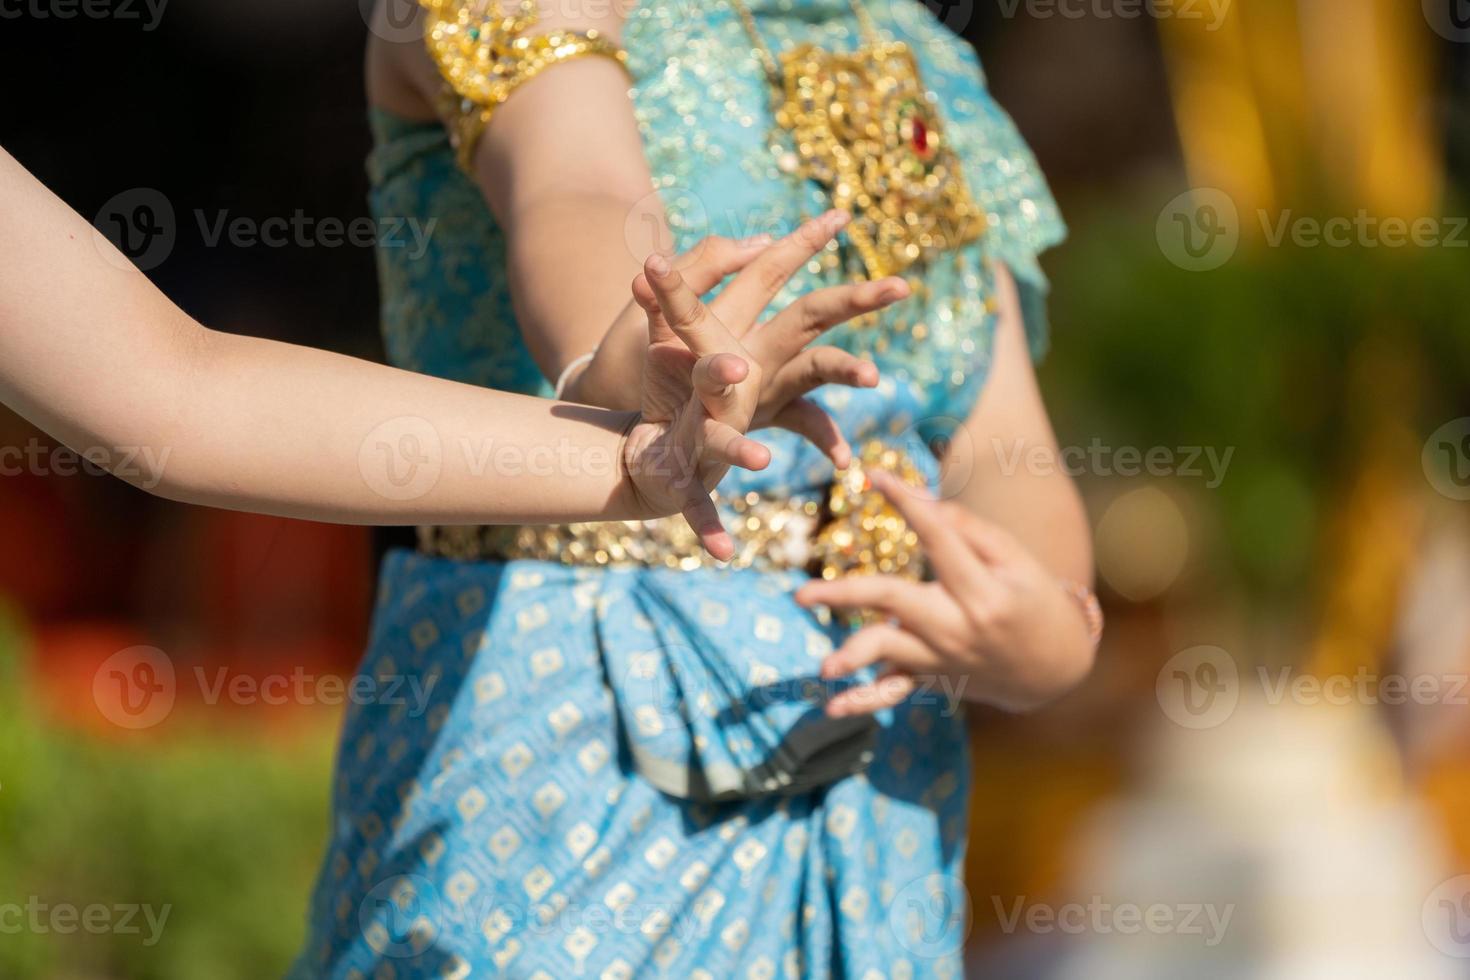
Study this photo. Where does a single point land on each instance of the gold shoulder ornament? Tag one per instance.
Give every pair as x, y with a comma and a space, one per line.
485, 53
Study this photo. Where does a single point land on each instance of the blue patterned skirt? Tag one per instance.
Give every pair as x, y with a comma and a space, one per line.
560, 772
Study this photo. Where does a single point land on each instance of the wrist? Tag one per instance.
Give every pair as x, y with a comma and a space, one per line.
575, 369
1084, 601
629, 502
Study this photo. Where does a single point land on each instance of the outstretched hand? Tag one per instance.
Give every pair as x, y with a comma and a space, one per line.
782, 347
711, 373
994, 625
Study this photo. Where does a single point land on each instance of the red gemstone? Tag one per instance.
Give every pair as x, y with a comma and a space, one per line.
921, 136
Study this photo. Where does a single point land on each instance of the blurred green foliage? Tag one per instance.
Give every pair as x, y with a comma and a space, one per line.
224, 831
1290, 355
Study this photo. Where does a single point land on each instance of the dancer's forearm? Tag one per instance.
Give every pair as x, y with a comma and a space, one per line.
305, 433
95, 355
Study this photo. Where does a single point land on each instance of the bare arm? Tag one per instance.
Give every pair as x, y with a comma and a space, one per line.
561, 166
1005, 465
95, 355
996, 621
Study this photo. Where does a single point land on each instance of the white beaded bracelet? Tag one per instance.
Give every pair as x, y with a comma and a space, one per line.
566, 373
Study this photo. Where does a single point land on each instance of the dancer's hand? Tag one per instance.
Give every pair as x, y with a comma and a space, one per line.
704, 386
777, 348
996, 626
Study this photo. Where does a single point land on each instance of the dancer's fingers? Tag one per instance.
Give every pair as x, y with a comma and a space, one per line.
682, 310
727, 446
715, 378
750, 292
880, 643
816, 367
909, 602
699, 510
703, 267
820, 310
888, 691
810, 421
715, 257
953, 559
659, 330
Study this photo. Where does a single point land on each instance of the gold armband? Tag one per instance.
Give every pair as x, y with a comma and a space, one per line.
485, 54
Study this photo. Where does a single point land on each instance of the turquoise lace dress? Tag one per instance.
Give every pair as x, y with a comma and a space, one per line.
626, 772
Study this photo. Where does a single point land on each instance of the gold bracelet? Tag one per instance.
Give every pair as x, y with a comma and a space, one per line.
484, 54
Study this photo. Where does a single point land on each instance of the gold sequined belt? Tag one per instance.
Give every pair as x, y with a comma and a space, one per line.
856, 531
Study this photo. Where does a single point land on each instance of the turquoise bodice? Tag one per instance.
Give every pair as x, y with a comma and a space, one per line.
703, 106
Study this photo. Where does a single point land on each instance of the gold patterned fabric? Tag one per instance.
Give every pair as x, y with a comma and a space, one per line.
867, 129
858, 532
485, 53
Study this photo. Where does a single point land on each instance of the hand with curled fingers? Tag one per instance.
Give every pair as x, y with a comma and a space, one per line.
786, 367
995, 626
711, 373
